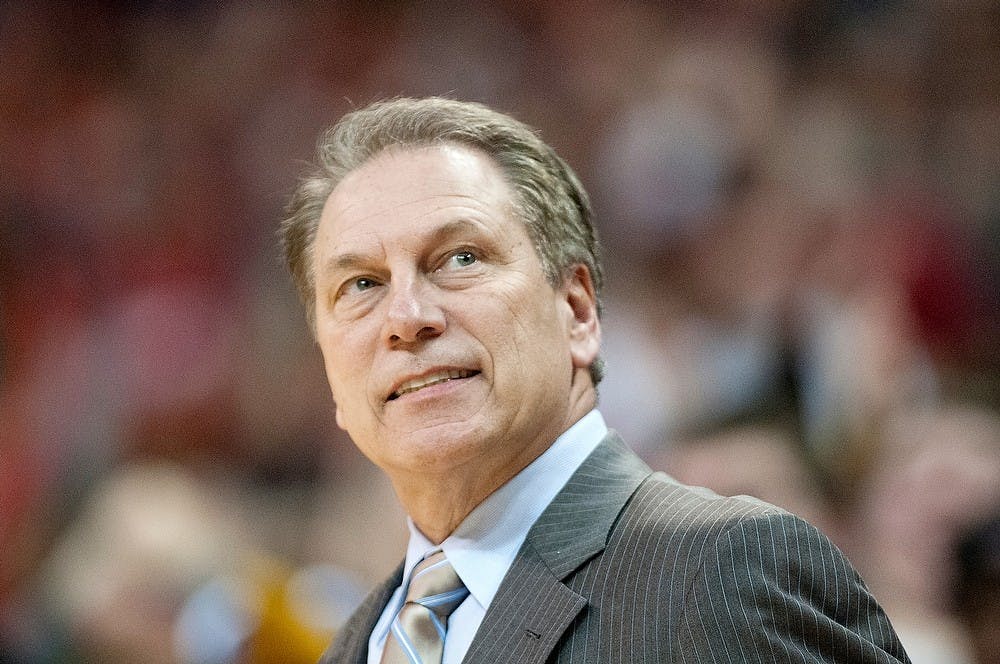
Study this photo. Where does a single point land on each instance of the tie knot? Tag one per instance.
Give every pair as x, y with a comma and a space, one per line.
435, 585
417, 633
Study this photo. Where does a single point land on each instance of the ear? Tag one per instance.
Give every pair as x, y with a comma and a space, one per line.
583, 323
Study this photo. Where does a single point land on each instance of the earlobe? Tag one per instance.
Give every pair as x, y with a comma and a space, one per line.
338, 415
584, 324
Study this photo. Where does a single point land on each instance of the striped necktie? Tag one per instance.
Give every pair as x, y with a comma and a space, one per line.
417, 632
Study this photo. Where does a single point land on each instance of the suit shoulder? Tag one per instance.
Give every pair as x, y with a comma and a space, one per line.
667, 518
661, 501
667, 521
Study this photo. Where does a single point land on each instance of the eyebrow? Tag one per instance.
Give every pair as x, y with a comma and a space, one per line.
346, 262
452, 228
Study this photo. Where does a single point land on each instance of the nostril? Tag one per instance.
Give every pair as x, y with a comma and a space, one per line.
427, 332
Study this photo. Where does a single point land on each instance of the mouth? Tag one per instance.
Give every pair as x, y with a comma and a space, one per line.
427, 380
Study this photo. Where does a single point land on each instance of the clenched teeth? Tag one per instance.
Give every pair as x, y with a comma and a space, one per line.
432, 379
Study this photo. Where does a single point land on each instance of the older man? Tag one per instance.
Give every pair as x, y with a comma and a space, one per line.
451, 275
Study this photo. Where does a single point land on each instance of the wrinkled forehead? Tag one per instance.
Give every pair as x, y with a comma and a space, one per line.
403, 179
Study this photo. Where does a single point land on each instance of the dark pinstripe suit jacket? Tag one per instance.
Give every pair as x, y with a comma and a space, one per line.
629, 566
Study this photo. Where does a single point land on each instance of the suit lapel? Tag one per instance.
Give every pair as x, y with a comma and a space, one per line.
351, 643
531, 611
533, 607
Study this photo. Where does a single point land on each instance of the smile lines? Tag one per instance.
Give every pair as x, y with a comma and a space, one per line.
430, 379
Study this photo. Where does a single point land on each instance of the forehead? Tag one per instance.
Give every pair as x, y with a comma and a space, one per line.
410, 187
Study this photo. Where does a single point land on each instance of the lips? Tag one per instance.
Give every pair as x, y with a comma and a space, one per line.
426, 380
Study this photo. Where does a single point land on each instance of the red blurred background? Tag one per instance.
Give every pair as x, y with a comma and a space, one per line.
800, 207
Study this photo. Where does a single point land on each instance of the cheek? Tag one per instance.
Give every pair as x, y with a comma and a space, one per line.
529, 331
345, 369
349, 402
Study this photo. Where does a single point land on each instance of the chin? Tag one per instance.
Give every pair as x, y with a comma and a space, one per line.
437, 446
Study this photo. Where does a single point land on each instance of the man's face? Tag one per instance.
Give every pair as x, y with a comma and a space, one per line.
446, 348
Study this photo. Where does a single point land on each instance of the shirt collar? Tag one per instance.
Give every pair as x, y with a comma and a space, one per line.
484, 545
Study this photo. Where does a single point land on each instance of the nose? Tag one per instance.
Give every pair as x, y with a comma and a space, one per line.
412, 314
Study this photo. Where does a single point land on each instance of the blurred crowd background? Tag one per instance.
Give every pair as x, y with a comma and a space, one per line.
800, 207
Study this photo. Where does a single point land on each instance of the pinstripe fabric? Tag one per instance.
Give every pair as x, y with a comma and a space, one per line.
626, 566
351, 643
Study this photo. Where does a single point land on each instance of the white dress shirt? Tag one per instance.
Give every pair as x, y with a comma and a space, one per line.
484, 545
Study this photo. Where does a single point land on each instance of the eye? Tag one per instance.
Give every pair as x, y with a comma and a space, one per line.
462, 259
362, 284
355, 286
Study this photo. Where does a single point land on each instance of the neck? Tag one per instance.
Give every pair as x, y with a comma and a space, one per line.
438, 508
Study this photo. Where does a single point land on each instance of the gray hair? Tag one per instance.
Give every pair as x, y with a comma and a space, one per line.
549, 199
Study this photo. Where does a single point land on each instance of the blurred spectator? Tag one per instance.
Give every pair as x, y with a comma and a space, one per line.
977, 588
936, 473
144, 541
